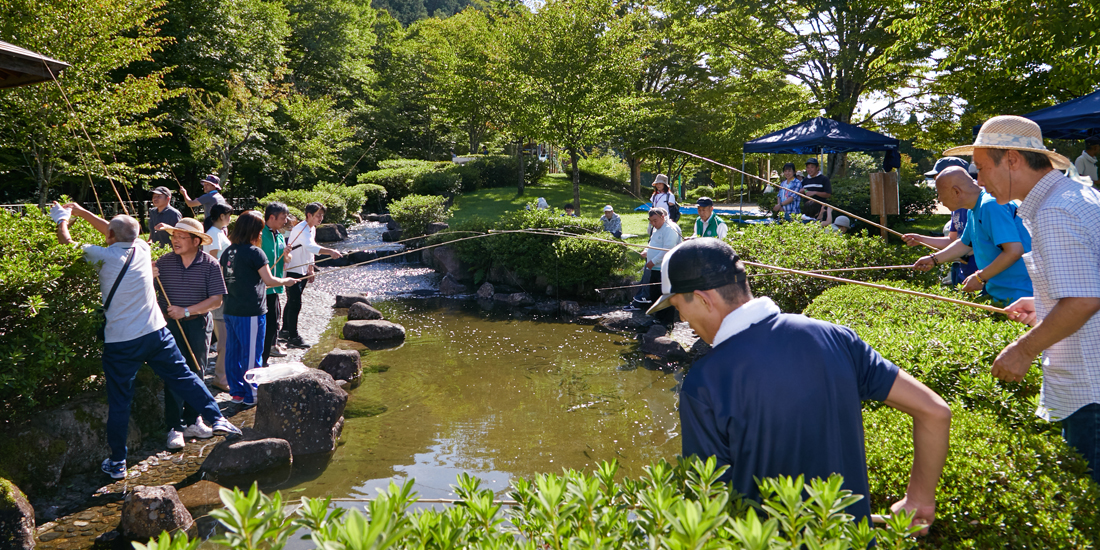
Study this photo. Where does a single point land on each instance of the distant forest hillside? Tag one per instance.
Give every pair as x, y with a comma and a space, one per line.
407, 11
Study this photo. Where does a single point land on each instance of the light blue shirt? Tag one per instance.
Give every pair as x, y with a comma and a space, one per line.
988, 226
134, 311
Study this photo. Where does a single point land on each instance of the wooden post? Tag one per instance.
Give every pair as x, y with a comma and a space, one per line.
884, 197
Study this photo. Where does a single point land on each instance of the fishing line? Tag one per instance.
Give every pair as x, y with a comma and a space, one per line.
862, 219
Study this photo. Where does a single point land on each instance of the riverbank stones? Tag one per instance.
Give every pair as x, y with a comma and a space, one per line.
362, 311
449, 286
307, 410
343, 364
331, 232
515, 299
624, 322
486, 291
570, 307
391, 236
16, 518
663, 346
232, 460
346, 301
149, 511
366, 332
436, 227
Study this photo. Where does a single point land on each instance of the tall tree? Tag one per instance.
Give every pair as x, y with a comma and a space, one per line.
578, 58
101, 40
841, 51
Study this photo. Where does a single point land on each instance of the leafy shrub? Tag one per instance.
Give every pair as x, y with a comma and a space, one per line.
494, 171
340, 201
1002, 487
702, 191
596, 179
766, 201
415, 212
397, 181
854, 195
809, 247
606, 164
375, 196
946, 346
437, 183
49, 350
393, 164
677, 507
401, 177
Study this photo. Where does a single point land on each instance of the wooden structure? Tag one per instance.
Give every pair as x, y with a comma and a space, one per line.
884, 197
19, 66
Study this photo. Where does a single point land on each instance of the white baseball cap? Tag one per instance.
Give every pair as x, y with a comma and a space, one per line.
608, 208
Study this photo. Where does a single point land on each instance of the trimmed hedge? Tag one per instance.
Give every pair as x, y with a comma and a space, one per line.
401, 177
340, 201
415, 212
810, 247
853, 194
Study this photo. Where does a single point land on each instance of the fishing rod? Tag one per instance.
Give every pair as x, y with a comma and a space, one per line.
170, 171
376, 247
779, 273
180, 325
824, 204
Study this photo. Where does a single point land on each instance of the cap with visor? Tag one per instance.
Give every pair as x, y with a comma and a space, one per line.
698, 264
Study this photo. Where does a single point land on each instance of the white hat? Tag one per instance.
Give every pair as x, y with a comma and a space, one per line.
843, 221
608, 208
660, 178
1011, 132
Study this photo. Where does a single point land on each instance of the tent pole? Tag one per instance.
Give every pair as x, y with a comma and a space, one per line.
741, 209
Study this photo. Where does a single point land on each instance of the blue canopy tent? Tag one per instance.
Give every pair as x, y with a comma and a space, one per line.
819, 136
1075, 119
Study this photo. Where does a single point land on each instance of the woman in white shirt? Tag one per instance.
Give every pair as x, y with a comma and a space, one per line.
215, 224
662, 197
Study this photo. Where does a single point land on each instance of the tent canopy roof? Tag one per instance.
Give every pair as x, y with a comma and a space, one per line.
821, 135
1075, 119
19, 67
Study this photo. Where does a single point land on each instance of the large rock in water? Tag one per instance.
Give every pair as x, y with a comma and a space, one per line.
445, 260
449, 286
236, 459
663, 346
625, 321
149, 511
391, 236
436, 227
343, 364
516, 299
373, 331
346, 301
362, 311
306, 410
486, 291
16, 518
331, 232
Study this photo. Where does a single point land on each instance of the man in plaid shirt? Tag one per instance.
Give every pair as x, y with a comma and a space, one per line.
1063, 217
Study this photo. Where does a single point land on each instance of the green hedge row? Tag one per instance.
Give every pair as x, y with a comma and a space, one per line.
673, 507
415, 212
809, 247
340, 201
401, 177
576, 266
854, 195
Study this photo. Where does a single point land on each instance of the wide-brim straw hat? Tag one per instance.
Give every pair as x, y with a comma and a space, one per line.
1011, 132
192, 226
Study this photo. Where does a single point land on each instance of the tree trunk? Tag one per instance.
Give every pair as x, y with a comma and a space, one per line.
575, 157
635, 175
838, 165
519, 163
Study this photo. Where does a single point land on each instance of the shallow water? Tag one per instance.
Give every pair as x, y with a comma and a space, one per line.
494, 396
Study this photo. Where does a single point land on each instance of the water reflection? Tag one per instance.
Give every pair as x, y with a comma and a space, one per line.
480, 392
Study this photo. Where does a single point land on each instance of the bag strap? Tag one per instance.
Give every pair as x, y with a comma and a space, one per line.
118, 280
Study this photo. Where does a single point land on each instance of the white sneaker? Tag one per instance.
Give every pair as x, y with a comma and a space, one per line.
199, 430
175, 439
276, 352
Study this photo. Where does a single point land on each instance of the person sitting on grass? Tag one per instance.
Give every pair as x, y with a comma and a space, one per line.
612, 223
136, 333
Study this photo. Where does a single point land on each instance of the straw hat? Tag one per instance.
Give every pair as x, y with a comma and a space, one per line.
192, 226
1011, 132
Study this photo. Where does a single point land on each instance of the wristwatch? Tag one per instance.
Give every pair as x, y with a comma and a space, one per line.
186, 312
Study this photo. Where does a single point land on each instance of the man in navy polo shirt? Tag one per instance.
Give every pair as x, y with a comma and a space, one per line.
781, 394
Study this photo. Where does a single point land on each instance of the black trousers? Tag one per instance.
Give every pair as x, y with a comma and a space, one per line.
293, 306
177, 414
274, 311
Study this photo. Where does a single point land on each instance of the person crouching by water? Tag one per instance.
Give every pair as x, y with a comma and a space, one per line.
247, 278
136, 332
192, 281
612, 223
781, 394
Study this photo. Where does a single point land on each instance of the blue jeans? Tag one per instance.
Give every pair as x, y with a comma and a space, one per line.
1082, 431
121, 361
177, 414
244, 346
643, 292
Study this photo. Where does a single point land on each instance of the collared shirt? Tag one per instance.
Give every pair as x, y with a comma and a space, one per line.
1064, 219
1086, 165
750, 313
666, 237
614, 225
958, 224
187, 286
133, 312
713, 227
273, 244
989, 226
302, 247
169, 216
785, 193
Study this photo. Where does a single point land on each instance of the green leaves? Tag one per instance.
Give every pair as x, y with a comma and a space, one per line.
415, 212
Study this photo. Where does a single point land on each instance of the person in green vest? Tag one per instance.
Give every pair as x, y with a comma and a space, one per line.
273, 245
708, 224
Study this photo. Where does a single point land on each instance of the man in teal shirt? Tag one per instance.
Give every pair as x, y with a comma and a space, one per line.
708, 224
273, 245
994, 233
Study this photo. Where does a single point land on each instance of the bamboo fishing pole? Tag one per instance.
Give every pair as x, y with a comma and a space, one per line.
803, 195
170, 171
180, 325
779, 273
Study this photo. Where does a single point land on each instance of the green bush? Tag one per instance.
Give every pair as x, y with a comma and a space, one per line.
401, 177
946, 346
854, 195
701, 191
606, 164
437, 183
340, 201
375, 196
596, 179
49, 350
414, 212
809, 247
674, 507
1002, 487
397, 181
766, 201
495, 171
